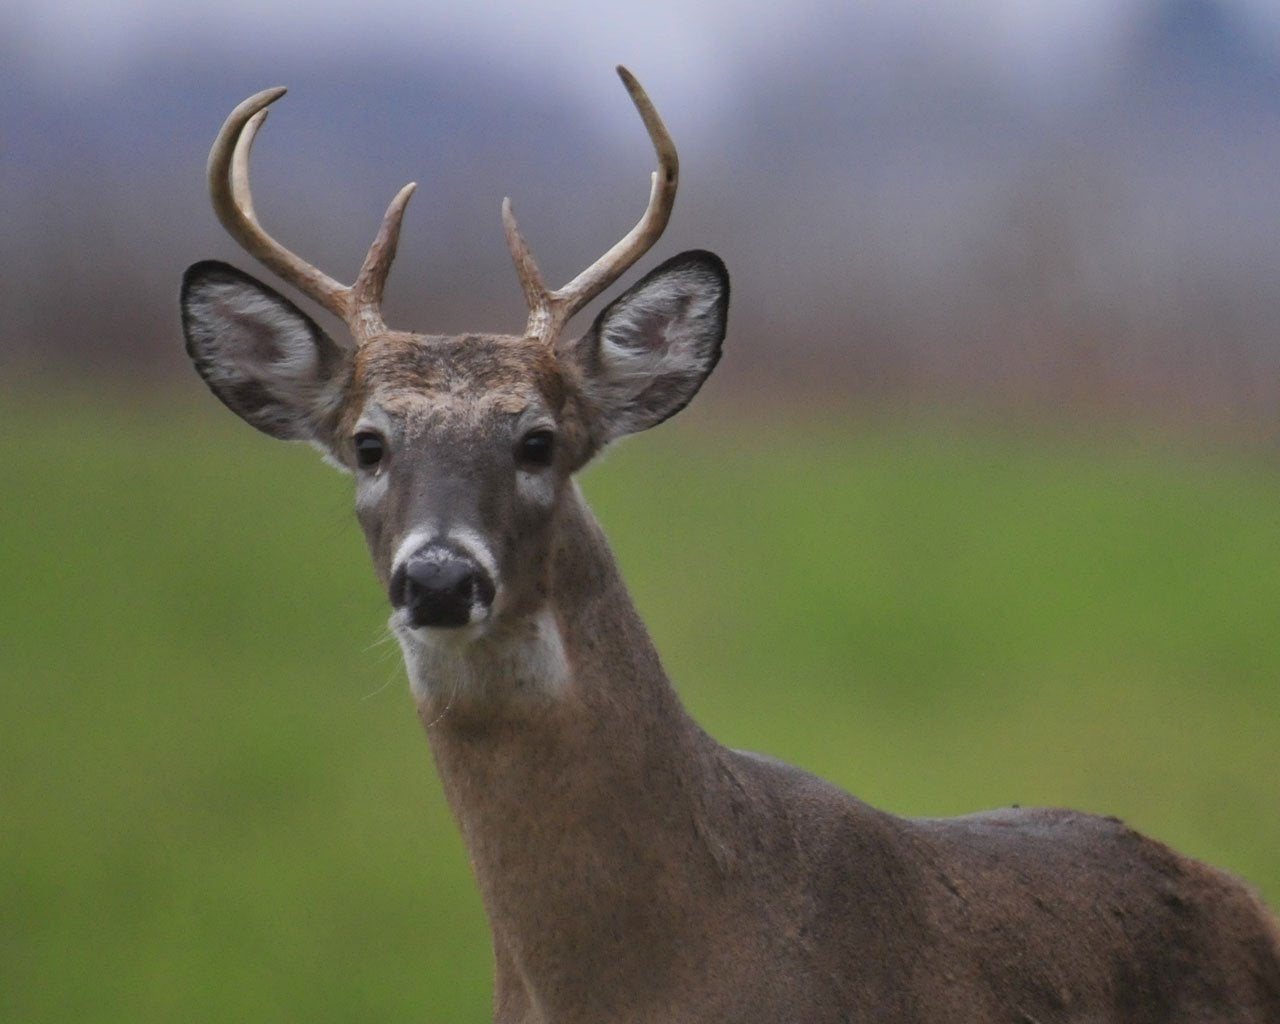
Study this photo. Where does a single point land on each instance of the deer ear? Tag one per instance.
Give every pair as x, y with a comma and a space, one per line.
267, 361
649, 351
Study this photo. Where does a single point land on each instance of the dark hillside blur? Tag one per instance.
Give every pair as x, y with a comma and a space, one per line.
906, 231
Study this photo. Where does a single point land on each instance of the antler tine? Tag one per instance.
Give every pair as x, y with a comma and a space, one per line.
536, 293
232, 202
550, 310
367, 291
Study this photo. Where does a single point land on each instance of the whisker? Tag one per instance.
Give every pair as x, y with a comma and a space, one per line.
386, 638
385, 652
448, 705
391, 678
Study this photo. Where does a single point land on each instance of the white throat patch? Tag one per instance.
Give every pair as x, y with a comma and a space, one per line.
526, 659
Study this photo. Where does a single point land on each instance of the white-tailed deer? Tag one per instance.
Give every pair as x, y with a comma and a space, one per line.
632, 868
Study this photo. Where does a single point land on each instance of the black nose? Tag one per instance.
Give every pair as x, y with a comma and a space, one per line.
440, 586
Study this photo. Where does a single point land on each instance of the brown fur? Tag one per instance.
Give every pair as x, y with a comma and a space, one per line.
635, 870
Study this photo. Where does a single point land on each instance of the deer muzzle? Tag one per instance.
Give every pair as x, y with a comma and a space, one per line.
441, 586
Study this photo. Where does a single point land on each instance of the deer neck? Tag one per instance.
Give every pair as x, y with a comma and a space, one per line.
591, 794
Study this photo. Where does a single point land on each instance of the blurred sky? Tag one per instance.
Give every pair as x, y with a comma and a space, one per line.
695, 45
1031, 200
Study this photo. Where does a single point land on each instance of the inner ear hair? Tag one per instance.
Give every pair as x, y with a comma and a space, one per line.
261, 355
650, 350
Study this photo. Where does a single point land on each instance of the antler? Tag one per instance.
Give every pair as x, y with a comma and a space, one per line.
550, 310
358, 304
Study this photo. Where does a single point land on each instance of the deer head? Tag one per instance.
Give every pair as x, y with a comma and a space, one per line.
462, 448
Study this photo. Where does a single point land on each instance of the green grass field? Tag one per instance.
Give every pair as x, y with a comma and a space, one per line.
217, 804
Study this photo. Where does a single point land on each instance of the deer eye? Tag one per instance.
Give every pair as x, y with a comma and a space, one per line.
370, 449
537, 448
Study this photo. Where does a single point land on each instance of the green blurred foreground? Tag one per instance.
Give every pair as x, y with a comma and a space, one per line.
216, 801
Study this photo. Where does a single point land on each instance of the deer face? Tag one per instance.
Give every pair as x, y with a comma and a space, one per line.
462, 449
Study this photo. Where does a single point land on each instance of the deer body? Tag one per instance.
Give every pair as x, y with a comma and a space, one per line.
632, 868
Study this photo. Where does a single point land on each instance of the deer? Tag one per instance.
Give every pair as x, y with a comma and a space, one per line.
633, 869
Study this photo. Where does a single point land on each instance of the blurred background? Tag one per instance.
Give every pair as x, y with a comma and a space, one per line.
1000, 404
